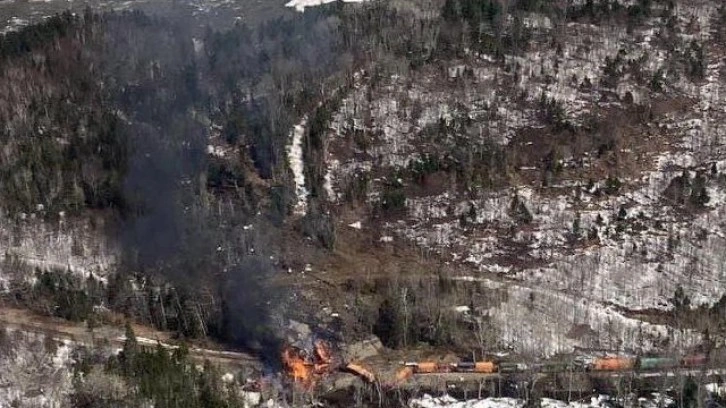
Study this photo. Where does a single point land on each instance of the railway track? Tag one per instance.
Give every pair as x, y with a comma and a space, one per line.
113, 336
682, 372
558, 384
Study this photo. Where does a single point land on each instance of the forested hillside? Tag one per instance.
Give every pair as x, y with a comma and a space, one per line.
146, 171
472, 177
112, 117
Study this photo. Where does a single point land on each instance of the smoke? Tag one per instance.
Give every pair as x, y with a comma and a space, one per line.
159, 184
246, 309
175, 231
178, 230
165, 230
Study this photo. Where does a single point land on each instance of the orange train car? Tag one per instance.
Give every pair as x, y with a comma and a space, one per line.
427, 367
613, 364
482, 367
485, 367
361, 371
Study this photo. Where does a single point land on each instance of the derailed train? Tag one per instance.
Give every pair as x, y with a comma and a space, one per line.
647, 363
600, 364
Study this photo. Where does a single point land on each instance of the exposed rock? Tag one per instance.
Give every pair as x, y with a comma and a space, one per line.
362, 350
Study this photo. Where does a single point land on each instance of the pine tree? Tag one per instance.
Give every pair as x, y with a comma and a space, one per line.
129, 352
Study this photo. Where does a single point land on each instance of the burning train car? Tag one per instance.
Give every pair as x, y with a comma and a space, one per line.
307, 368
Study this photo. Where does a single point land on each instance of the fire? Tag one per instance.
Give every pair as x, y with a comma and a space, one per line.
297, 365
305, 369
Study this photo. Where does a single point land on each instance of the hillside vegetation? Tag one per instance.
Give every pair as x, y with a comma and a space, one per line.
528, 176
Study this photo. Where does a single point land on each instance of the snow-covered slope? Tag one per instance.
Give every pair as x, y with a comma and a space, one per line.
605, 238
77, 245
36, 370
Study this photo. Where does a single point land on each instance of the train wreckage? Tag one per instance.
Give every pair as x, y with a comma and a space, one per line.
321, 369
309, 367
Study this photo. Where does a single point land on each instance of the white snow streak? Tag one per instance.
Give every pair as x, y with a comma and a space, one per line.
300, 5
297, 165
427, 401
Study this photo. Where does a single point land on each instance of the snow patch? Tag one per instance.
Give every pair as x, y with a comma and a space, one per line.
597, 401
300, 5
427, 401
297, 165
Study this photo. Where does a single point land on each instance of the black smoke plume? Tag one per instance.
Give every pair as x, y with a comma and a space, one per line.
178, 237
186, 229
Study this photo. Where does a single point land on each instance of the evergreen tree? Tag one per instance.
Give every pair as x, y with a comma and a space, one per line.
129, 351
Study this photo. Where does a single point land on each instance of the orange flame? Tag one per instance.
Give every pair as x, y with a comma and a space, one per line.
305, 369
299, 369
